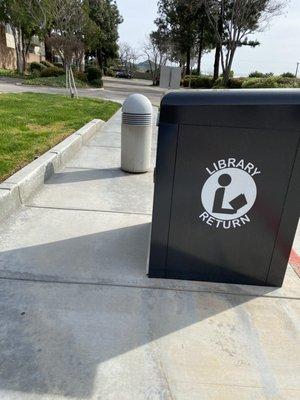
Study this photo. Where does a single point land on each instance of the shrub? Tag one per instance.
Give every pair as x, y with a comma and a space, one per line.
233, 83
271, 82
185, 82
58, 64
198, 82
218, 84
35, 74
97, 83
287, 75
36, 66
257, 74
52, 71
259, 83
286, 82
231, 74
80, 75
8, 72
47, 63
109, 72
236, 83
93, 74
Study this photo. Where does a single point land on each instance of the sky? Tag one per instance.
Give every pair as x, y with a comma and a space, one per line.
280, 43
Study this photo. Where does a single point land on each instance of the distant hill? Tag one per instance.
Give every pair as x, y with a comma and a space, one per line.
143, 66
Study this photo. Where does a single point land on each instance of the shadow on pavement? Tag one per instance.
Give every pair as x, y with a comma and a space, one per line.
84, 174
56, 338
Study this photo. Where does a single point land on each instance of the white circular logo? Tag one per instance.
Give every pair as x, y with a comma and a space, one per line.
229, 194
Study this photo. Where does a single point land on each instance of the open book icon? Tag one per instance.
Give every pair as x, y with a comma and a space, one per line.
239, 202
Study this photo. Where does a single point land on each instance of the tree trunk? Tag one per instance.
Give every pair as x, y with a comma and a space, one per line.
100, 59
25, 51
228, 66
218, 47
17, 33
48, 48
188, 62
217, 62
200, 49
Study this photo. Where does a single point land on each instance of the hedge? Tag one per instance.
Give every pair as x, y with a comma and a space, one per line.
80, 75
233, 83
36, 66
198, 82
257, 74
52, 71
206, 82
97, 83
271, 82
47, 63
93, 73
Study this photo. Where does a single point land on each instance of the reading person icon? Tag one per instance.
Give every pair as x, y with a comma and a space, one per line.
237, 203
228, 194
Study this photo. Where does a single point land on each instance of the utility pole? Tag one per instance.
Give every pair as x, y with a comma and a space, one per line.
297, 68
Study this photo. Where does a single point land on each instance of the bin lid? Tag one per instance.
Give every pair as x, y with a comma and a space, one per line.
137, 104
253, 108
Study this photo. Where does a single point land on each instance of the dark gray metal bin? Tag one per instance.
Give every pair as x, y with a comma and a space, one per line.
227, 186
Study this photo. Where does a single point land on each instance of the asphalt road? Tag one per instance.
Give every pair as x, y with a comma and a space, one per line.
114, 89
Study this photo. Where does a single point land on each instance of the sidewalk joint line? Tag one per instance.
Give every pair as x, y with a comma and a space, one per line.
91, 169
86, 210
102, 147
129, 286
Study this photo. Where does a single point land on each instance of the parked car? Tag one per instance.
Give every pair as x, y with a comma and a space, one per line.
124, 74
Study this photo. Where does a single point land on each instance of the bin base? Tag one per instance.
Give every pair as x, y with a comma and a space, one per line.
234, 279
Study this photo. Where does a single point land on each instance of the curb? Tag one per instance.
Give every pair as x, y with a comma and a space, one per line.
295, 262
16, 190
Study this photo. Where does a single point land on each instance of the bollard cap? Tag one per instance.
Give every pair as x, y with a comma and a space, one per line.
137, 104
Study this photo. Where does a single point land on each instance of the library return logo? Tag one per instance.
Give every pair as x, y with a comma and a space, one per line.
229, 193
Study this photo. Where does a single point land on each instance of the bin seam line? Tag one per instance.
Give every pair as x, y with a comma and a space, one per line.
282, 211
172, 195
240, 127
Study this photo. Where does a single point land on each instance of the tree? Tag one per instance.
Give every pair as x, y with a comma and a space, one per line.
156, 50
84, 28
190, 34
179, 19
205, 36
233, 20
106, 16
128, 57
26, 19
69, 24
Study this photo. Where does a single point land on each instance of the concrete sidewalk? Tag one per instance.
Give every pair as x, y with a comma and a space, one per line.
80, 319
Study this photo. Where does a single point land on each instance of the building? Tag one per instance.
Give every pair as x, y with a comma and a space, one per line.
8, 52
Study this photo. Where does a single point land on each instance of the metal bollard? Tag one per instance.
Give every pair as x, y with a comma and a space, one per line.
136, 134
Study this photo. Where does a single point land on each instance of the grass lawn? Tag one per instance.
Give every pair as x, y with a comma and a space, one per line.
8, 72
55, 81
32, 123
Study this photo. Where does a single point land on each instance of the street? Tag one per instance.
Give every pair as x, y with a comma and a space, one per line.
114, 89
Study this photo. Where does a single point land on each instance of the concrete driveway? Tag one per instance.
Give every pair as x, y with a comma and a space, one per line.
114, 89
